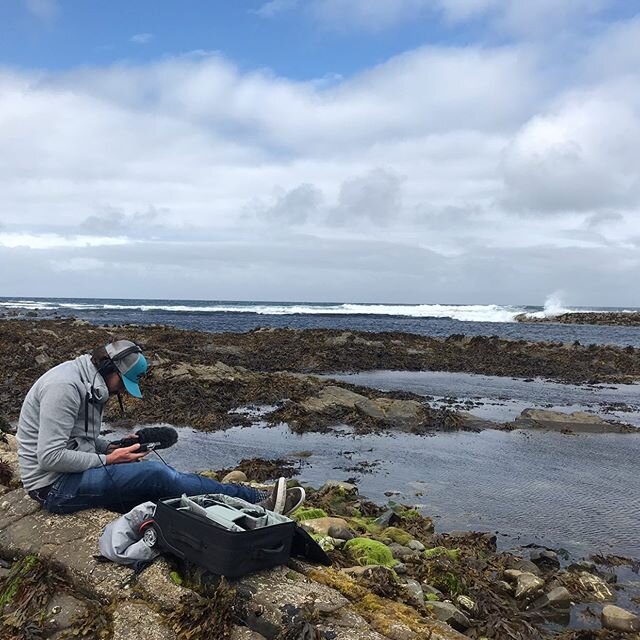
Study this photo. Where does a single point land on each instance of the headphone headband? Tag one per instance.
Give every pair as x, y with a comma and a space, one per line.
127, 352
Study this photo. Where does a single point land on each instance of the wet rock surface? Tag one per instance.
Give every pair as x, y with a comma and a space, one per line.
620, 318
576, 422
450, 587
213, 381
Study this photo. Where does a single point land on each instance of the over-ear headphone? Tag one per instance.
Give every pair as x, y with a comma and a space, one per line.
123, 354
107, 366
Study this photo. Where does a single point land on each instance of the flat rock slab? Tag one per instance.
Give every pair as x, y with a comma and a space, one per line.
71, 541
578, 422
15, 505
140, 622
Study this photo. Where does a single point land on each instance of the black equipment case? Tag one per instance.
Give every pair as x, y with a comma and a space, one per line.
194, 537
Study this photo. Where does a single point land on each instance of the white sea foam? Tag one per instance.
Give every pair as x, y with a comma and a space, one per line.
470, 313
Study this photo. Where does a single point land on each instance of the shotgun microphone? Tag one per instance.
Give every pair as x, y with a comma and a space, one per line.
150, 438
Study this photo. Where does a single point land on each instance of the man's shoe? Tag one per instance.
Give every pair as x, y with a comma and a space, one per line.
276, 501
294, 499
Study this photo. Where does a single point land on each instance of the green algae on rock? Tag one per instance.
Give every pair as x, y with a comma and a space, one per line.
365, 551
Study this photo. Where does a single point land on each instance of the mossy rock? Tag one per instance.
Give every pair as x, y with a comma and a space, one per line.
308, 513
397, 535
409, 514
365, 551
442, 552
364, 525
208, 474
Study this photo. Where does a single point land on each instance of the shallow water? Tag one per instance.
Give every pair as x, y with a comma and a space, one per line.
502, 399
579, 493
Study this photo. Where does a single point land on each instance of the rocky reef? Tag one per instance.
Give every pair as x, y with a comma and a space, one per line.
393, 578
207, 381
612, 318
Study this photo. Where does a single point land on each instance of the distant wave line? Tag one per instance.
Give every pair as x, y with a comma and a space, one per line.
470, 313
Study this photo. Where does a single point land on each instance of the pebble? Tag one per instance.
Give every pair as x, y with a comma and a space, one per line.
466, 603
416, 545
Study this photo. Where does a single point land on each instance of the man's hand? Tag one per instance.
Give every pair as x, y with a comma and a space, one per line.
125, 454
130, 436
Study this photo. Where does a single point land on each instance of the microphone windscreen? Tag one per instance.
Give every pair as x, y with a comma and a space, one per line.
165, 436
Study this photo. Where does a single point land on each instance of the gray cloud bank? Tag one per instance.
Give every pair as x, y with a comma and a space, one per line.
457, 174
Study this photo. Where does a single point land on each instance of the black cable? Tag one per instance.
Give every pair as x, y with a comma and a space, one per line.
159, 456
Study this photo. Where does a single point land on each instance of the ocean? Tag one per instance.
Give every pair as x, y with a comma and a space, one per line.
560, 491
425, 319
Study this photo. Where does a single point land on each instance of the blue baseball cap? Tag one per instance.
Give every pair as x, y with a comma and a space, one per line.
130, 363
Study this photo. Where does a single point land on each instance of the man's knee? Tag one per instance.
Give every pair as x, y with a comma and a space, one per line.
158, 473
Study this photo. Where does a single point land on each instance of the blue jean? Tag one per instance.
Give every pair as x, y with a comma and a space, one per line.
120, 487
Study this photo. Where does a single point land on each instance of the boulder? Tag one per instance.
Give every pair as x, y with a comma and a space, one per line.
526, 566
401, 552
416, 595
619, 619
234, 476
513, 574
331, 398
527, 584
429, 591
545, 559
578, 422
365, 551
321, 526
448, 613
387, 518
346, 487
558, 598
416, 545
341, 533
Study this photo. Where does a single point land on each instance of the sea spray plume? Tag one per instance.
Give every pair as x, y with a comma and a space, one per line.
552, 308
553, 305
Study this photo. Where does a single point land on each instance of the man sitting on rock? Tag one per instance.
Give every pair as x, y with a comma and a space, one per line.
66, 466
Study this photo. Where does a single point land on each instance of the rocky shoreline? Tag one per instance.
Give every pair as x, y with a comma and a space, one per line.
611, 318
205, 380
392, 578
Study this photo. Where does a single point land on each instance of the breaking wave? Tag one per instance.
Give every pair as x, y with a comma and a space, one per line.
471, 313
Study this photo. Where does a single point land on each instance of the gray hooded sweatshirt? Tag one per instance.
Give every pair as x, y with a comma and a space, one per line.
51, 429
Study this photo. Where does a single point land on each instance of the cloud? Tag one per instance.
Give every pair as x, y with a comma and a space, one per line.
376, 197
411, 180
113, 221
141, 38
520, 17
581, 156
296, 206
45, 10
274, 7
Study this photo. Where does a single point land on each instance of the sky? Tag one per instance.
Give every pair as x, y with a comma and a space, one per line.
418, 151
